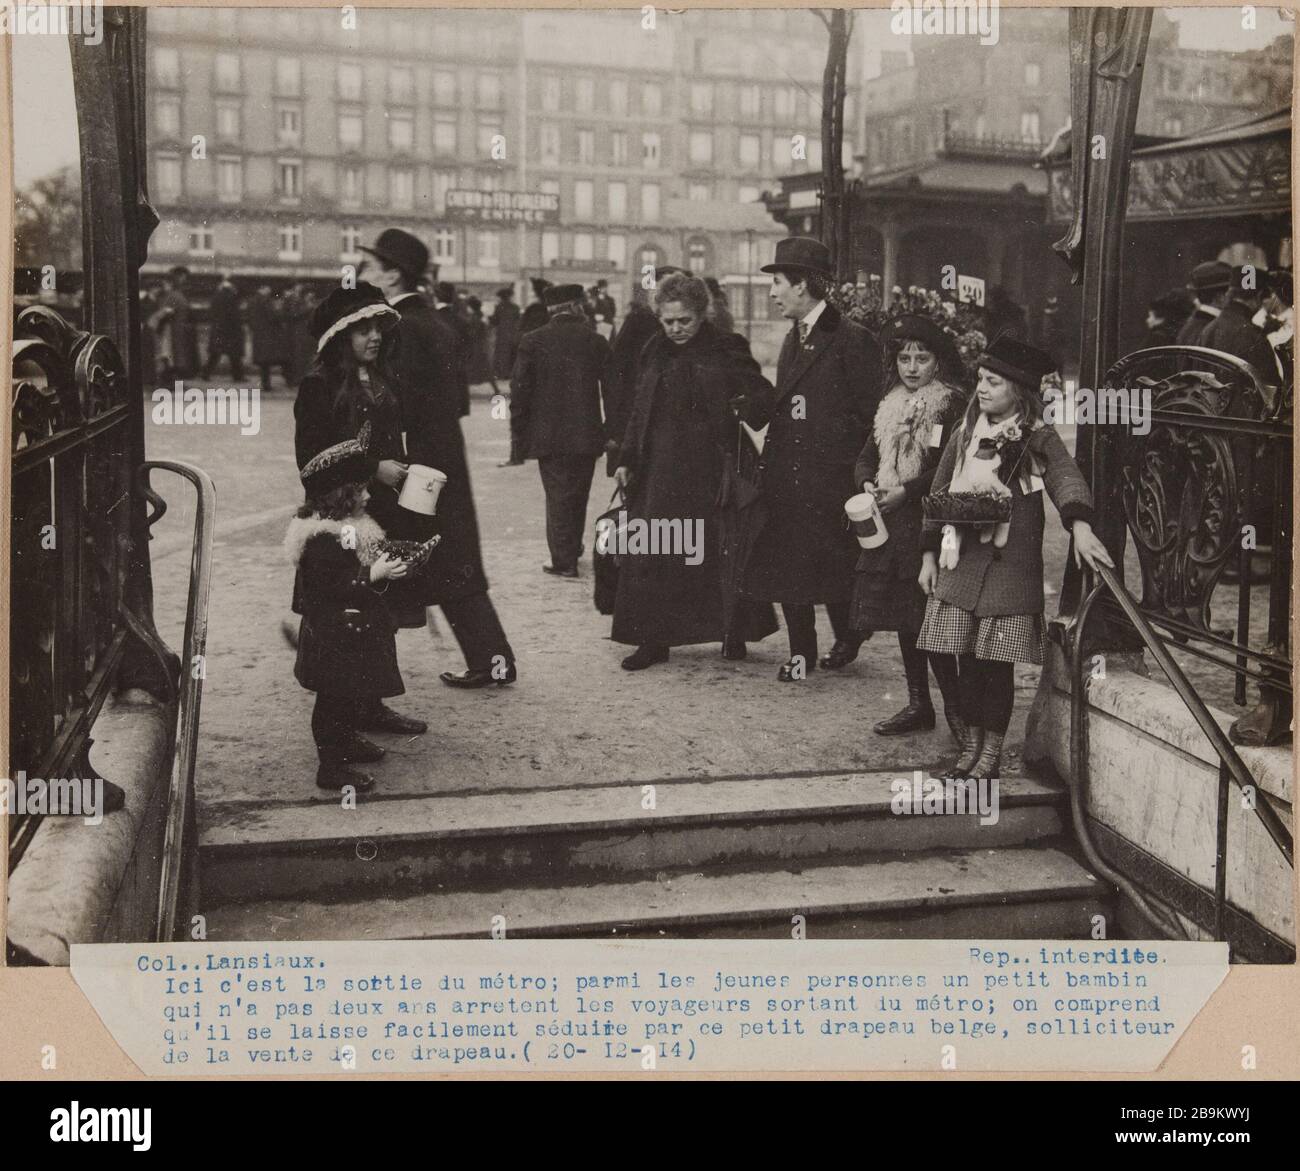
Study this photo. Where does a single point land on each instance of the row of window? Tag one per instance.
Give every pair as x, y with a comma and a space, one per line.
618, 207
486, 247
701, 144
615, 96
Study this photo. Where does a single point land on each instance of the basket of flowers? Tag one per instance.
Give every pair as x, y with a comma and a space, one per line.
414, 553
983, 506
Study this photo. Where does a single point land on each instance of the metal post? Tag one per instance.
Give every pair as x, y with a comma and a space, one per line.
749, 284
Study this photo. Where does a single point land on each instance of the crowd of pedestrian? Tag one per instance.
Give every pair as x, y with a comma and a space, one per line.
886, 475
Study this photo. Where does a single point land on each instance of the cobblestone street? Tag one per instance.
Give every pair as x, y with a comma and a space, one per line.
574, 718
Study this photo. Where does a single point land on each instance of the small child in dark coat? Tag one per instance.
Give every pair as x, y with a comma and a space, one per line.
347, 650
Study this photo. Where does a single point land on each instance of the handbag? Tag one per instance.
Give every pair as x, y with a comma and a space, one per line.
604, 562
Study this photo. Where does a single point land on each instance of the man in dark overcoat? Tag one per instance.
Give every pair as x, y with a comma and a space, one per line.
447, 306
1209, 289
430, 400
827, 388
225, 330
562, 377
505, 332
1234, 330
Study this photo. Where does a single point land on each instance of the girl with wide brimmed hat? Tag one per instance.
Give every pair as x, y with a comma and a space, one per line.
897, 463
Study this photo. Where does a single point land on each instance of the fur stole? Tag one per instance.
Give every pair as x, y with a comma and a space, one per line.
359, 534
904, 426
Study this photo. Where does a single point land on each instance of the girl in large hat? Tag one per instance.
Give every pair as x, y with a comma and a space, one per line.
897, 463
351, 384
984, 581
347, 653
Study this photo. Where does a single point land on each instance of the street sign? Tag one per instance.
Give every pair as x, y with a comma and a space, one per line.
970, 289
503, 207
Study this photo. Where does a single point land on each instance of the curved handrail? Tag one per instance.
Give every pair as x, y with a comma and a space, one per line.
1232, 765
179, 810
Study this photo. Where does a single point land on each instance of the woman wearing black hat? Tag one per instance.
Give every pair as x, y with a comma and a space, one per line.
913, 422
349, 384
984, 579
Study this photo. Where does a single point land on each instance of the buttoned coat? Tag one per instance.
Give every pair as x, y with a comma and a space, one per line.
990, 581
827, 389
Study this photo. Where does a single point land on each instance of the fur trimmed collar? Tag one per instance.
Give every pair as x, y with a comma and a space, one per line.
358, 534
905, 422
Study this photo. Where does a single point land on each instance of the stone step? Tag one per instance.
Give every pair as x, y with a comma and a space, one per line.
1025, 893
560, 836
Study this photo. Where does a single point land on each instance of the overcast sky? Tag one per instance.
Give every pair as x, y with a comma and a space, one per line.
45, 136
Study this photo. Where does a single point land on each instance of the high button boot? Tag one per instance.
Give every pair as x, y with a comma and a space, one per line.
918, 715
972, 746
989, 764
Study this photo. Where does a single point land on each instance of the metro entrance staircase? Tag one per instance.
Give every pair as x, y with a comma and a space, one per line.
732, 857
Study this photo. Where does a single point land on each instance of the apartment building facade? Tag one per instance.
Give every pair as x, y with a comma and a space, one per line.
282, 140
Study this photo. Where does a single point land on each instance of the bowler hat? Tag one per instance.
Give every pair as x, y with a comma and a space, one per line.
1018, 361
345, 307
400, 249
802, 254
1211, 277
562, 295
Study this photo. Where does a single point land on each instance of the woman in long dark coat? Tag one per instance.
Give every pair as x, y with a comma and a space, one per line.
913, 422
681, 436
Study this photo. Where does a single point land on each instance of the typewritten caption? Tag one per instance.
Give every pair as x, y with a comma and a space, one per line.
639, 1006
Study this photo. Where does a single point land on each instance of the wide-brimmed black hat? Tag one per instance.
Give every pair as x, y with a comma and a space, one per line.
562, 295
1211, 277
400, 249
913, 327
801, 254
349, 462
345, 307
1018, 361
540, 285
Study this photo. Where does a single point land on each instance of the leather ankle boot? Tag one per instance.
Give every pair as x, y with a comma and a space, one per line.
972, 746
917, 716
989, 764
956, 725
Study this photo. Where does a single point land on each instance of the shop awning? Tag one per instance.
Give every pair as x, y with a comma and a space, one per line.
1241, 169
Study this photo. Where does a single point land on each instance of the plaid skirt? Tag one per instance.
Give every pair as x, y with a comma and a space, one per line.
1003, 638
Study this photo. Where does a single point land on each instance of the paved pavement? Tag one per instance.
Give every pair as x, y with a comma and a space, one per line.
574, 717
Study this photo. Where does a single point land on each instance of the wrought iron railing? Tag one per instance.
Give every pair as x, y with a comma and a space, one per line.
177, 888
1232, 770
1208, 490
70, 543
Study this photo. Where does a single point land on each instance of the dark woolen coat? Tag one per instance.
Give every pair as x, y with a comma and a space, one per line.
680, 445
1190, 332
562, 376
805, 552
505, 337
345, 644
638, 327
460, 331
989, 581
226, 325
534, 317
1235, 333
429, 393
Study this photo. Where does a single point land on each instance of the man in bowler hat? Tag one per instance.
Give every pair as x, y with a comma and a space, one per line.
430, 393
1209, 289
827, 387
562, 377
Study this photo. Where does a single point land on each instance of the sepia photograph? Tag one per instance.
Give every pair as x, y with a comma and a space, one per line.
732, 474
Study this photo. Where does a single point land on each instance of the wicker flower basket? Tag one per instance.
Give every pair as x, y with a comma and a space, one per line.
966, 508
